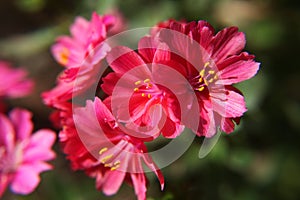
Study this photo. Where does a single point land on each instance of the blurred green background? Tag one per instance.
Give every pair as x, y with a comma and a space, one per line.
260, 160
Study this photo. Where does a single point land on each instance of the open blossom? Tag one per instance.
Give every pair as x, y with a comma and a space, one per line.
23, 156
97, 145
139, 98
211, 63
81, 54
14, 82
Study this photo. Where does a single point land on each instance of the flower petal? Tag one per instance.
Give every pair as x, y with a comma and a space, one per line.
228, 103
227, 42
237, 68
21, 120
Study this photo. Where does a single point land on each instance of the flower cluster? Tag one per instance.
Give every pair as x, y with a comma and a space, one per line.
181, 75
22, 156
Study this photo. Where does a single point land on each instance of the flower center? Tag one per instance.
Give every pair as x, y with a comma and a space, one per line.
145, 88
64, 56
206, 77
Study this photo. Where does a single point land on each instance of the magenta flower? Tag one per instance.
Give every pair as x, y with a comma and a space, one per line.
98, 146
22, 155
81, 54
211, 63
14, 82
139, 99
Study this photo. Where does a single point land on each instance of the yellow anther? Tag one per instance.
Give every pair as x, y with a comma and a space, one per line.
149, 96
137, 82
211, 71
205, 82
200, 79
108, 165
106, 158
143, 95
202, 72
64, 56
216, 77
115, 167
147, 80
136, 89
201, 89
211, 80
103, 150
117, 162
149, 85
206, 64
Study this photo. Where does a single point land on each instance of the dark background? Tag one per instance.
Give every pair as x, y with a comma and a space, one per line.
260, 160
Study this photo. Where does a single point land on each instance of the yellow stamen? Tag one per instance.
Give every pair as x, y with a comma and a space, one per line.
103, 150
216, 77
64, 56
202, 72
147, 80
211, 80
115, 167
205, 82
149, 96
206, 64
117, 162
149, 85
108, 165
136, 89
143, 95
200, 79
211, 71
137, 82
106, 158
201, 89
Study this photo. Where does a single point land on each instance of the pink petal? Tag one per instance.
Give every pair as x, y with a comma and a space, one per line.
7, 133
21, 120
228, 103
237, 68
112, 181
25, 181
227, 42
39, 147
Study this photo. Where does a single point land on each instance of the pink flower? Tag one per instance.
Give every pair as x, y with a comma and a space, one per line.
22, 155
81, 54
211, 63
97, 145
13, 83
136, 95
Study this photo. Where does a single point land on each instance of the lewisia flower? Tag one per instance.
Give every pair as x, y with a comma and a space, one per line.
23, 156
211, 62
13, 82
136, 94
97, 145
81, 54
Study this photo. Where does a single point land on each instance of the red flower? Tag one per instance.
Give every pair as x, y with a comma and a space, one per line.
105, 152
211, 63
137, 96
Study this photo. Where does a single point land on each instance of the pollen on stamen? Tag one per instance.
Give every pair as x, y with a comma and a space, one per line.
206, 64
211, 71
106, 158
149, 96
143, 95
147, 80
117, 162
136, 89
103, 150
137, 82
202, 72
115, 167
201, 89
